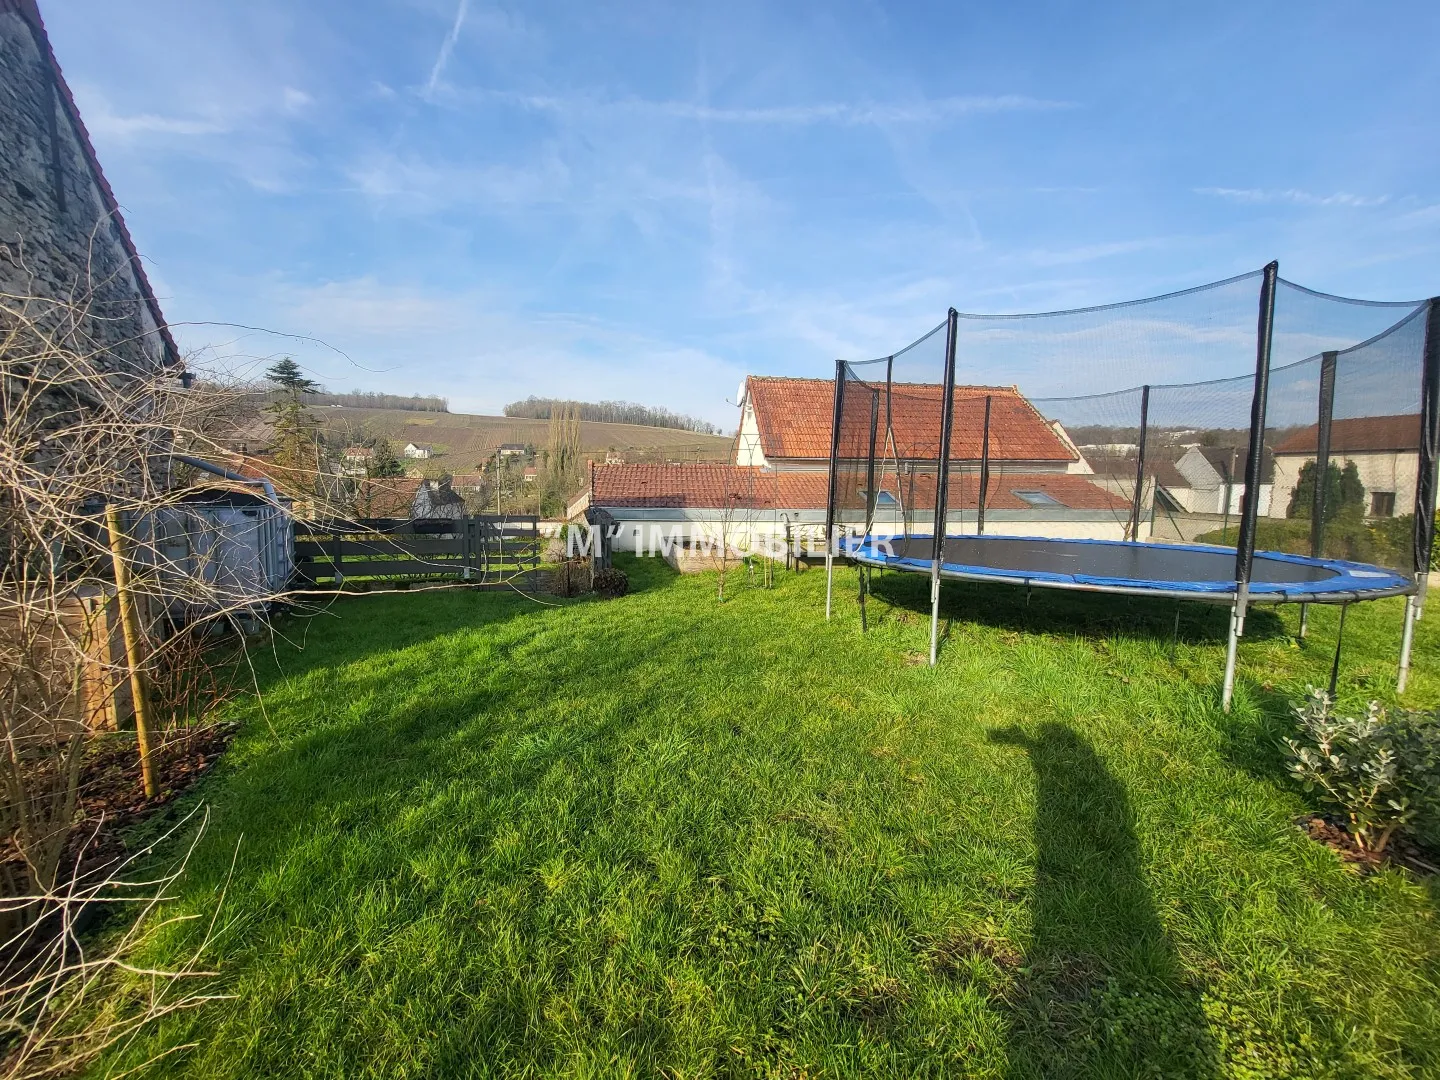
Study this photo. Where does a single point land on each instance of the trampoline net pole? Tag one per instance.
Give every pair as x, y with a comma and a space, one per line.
984, 471
1134, 529
1324, 420
942, 480
1425, 483
830, 496
1250, 500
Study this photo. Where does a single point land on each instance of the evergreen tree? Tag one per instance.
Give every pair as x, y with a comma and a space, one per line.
296, 444
286, 375
1344, 493
383, 462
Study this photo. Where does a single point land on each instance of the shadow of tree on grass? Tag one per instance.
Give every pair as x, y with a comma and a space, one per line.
1101, 992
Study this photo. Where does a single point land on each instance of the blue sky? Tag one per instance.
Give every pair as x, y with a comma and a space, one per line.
647, 201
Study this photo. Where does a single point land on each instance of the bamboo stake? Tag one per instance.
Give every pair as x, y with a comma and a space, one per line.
131, 630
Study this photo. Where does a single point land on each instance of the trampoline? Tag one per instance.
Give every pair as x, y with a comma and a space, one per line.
1189, 572
1106, 449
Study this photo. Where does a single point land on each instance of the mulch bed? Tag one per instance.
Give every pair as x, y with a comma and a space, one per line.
112, 797
1331, 832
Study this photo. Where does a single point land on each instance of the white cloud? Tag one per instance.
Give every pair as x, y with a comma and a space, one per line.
1091, 252
922, 111
442, 58
1292, 195
103, 122
419, 186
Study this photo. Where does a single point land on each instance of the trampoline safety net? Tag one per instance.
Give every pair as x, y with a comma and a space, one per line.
1249, 414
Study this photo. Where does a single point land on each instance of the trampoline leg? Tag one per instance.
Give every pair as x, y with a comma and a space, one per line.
1232, 648
1407, 637
934, 618
1339, 641
864, 588
1304, 620
829, 579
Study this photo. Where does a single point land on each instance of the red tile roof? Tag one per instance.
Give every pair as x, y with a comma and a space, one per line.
711, 487
795, 415
1357, 435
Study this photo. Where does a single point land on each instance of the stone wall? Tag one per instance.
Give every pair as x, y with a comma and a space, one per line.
59, 239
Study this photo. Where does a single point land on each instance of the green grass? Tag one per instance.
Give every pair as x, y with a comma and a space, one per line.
665, 836
1385, 541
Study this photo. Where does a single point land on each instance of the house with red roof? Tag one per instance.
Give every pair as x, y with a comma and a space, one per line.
1385, 450
777, 484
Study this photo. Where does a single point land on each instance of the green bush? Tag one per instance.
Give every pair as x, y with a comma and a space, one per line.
1382, 770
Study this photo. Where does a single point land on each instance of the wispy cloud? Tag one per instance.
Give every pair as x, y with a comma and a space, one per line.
924, 111
1292, 195
1090, 252
447, 46
423, 186
105, 123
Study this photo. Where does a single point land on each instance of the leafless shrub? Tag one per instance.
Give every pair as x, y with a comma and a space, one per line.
62, 1002
97, 571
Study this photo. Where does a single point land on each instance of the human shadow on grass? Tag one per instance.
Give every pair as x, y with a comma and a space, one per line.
1101, 991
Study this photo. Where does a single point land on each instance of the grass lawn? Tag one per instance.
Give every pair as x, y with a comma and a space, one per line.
664, 836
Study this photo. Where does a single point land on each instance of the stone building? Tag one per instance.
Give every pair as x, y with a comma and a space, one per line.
62, 237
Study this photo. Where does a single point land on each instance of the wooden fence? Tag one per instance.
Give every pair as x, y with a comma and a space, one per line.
485, 551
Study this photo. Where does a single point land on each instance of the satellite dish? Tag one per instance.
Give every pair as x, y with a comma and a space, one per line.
740, 394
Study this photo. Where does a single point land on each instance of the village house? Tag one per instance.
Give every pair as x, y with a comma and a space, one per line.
1385, 450
778, 481
1216, 475
418, 451
356, 460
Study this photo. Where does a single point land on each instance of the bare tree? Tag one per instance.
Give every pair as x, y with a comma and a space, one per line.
94, 450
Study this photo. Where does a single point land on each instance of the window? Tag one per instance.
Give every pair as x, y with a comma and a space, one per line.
1036, 498
1382, 504
883, 499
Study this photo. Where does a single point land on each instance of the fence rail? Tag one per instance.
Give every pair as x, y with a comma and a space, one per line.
484, 550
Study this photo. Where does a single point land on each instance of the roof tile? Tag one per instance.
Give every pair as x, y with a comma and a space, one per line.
795, 417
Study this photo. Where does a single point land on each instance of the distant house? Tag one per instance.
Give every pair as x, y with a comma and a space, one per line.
531, 472
1216, 475
1166, 487
511, 449
472, 481
779, 480
356, 460
750, 503
418, 451
1385, 450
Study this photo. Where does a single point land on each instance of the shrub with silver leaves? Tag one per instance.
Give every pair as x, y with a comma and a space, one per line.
1382, 769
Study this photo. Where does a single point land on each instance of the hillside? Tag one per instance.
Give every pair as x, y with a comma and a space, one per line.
461, 441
